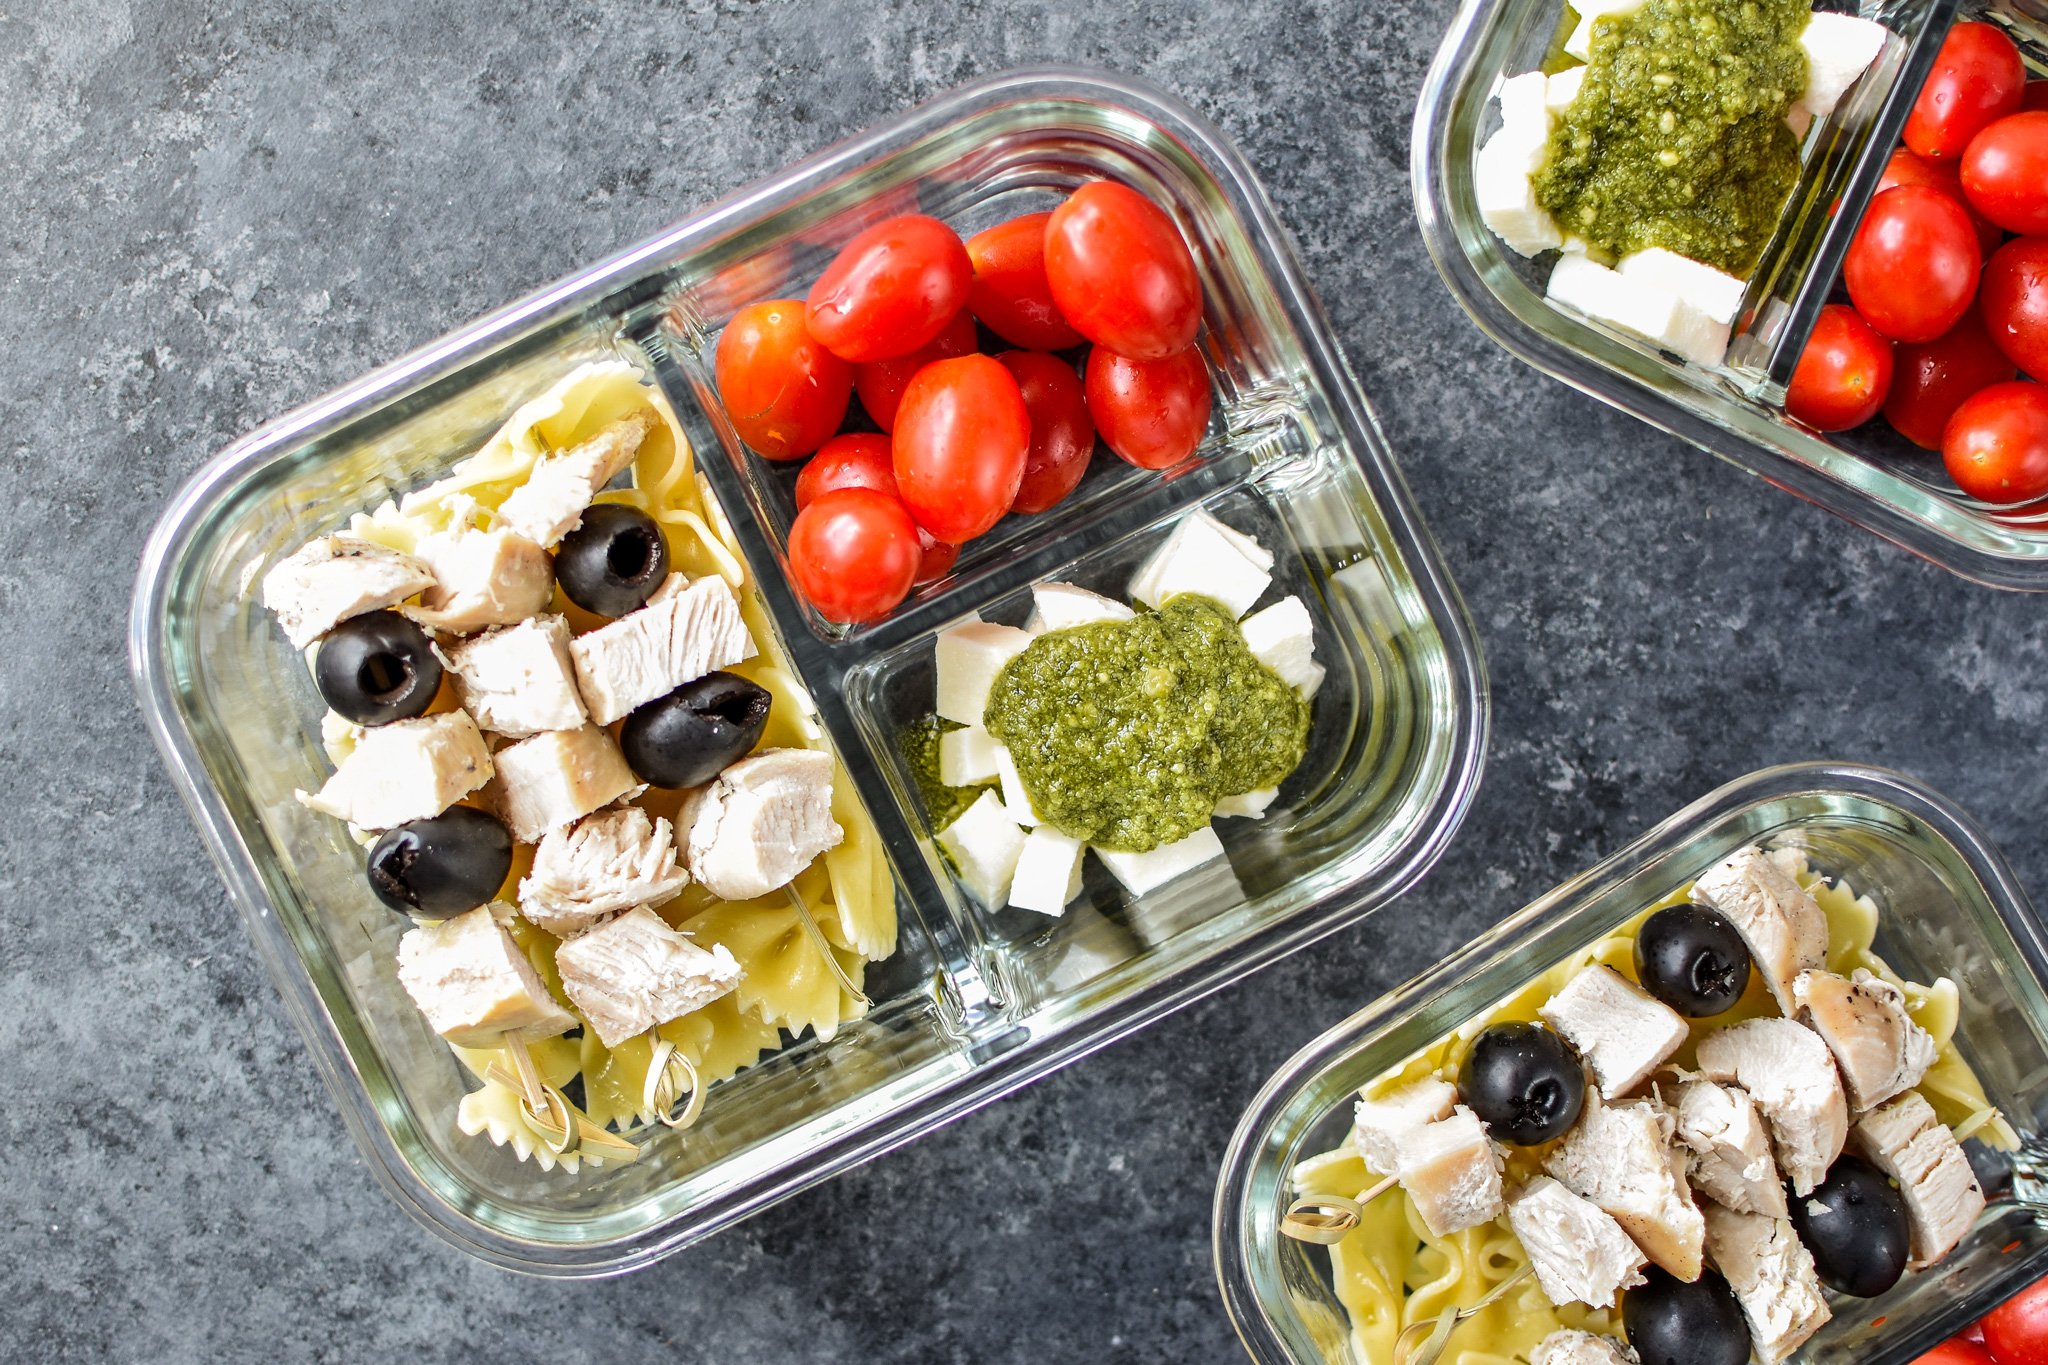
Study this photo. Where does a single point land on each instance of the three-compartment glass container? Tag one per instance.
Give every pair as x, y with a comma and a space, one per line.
1949, 906
1870, 476
974, 1002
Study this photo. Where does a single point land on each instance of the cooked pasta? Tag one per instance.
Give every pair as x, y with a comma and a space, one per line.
1390, 1272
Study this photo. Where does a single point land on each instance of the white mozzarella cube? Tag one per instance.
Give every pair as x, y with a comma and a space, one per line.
1061, 606
1507, 201
1580, 44
1525, 105
1204, 556
1839, 48
1282, 637
984, 844
967, 660
1645, 310
1561, 89
1247, 805
1048, 872
1143, 872
967, 758
1015, 798
1713, 292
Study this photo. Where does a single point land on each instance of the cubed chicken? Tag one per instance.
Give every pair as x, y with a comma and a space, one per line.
333, 578
1906, 1141
1451, 1171
550, 503
407, 770
681, 634
482, 579
1282, 637
634, 972
1788, 1071
1579, 1252
602, 864
1582, 1348
519, 681
1204, 556
553, 778
1622, 1031
965, 661
1382, 1124
1730, 1150
1143, 873
1621, 1158
474, 984
1878, 1048
1781, 923
761, 822
1062, 606
1773, 1278
984, 846
1048, 872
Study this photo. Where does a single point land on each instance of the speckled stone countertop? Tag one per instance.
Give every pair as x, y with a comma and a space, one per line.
211, 219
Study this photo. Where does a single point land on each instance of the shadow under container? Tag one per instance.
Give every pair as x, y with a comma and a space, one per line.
1871, 476
1949, 906
975, 1002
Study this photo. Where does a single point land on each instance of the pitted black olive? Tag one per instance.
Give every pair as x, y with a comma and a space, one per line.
1524, 1081
1855, 1225
695, 732
1691, 958
1672, 1322
377, 668
613, 562
441, 866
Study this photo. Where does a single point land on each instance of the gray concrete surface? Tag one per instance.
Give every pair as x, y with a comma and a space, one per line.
216, 212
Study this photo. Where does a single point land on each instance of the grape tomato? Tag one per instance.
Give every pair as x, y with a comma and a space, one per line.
1009, 293
1908, 168
2015, 303
1996, 444
880, 383
1152, 413
854, 460
2005, 172
890, 290
784, 392
1978, 77
1120, 272
1912, 266
1930, 379
1062, 436
962, 436
853, 554
2016, 1332
1844, 373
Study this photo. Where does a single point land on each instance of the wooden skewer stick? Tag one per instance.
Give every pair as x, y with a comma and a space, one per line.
1443, 1324
1326, 1219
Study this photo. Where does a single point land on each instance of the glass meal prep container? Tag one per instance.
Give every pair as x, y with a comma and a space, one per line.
974, 1003
1870, 476
1949, 906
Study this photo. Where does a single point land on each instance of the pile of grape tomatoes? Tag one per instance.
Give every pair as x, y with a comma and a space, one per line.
1946, 330
2014, 1333
966, 437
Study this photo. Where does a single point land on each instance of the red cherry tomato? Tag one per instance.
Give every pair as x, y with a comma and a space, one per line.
1905, 168
1010, 293
1062, 436
2035, 96
880, 384
890, 290
855, 460
936, 560
1912, 268
1996, 449
1120, 272
1978, 77
784, 392
853, 554
1152, 413
1930, 379
2005, 172
1844, 373
2017, 1330
1956, 1351
2015, 303
961, 439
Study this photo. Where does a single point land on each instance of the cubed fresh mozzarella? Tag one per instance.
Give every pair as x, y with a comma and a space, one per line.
984, 845
1247, 805
1713, 292
1047, 872
1580, 43
1645, 310
1204, 556
1282, 637
1839, 48
967, 758
1507, 201
1561, 89
1015, 798
1143, 872
1525, 106
1060, 606
967, 659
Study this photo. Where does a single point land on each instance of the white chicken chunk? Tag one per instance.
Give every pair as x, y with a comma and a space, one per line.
1730, 1150
1579, 1252
1582, 1348
1788, 1071
550, 779
1773, 1279
681, 634
1878, 1048
1622, 1031
482, 579
474, 984
1620, 1157
1381, 1124
634, 972
761, 822
1782, 925
333, 578
518, 681
1451, 1171
551, 502
407, 770
604, 863
1906, 1141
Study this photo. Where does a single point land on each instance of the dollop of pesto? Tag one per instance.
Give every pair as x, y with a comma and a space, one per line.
1678, 138
1127, 733
920, 744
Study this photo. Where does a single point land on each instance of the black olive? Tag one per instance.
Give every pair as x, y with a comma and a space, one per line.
1691, 958
1670, 1322
613, 562
1524, 1081
1855, 1225
377, 668
443, 866
695, 732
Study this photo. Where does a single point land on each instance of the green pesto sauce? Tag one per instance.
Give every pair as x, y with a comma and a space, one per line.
1127, 733
1678, 138
942, 803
